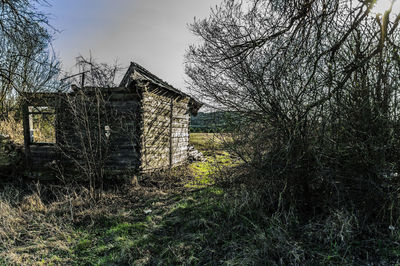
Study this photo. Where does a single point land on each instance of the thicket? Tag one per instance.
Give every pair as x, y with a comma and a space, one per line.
27, 61
316, 86
27, 64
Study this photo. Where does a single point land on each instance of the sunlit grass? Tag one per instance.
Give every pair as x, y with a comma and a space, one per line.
207, 226
211, 145
210, 224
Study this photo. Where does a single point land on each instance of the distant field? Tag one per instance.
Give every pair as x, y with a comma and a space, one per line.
206, 142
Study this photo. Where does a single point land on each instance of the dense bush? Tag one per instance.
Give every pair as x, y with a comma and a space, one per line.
315, 84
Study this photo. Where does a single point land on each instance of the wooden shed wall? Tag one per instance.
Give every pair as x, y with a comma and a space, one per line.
119, 112
149, 131
165, 130
42, 155
180, 131
124, 137
156, 123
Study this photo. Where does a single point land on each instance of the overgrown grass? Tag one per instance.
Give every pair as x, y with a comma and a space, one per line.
30, 232
212, 225
167, 235
159, 224
12, 127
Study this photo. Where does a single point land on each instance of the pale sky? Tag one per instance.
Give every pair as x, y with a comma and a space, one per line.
382, 5
153, 33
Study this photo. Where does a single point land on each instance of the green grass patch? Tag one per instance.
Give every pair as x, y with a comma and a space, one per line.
200, 227
211, 145
175, 234
205, 173
210, 225
202, 223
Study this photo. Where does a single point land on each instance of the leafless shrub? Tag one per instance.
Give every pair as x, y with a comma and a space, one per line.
312, 88
27, 62
84, 143
84, 131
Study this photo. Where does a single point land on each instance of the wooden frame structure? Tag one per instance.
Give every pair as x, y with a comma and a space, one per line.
144, 106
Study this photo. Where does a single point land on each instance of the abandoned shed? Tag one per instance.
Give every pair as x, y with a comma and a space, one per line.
141, 125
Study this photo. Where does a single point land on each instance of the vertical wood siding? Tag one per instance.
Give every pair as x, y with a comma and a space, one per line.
165, 130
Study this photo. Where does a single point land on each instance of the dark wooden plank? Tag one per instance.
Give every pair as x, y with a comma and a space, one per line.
25, 121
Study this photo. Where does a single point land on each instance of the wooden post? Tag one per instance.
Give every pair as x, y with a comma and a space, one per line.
170, 133
83, 80
27, 137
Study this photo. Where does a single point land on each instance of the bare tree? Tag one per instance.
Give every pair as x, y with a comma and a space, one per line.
316, 81
97, 74
27, 63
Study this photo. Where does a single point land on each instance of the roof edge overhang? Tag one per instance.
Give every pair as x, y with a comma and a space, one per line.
136, 72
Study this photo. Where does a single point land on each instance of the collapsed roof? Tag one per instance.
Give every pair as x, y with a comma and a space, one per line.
137, 72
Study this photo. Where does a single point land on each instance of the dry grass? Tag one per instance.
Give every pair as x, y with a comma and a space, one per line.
41, 224
159, 221
146, 225
28, 230
12, 128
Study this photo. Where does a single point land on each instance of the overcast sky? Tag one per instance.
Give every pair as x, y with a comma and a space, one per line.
153, 33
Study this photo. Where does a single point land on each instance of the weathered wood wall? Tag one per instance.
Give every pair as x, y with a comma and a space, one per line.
42, 155
149, 129
165, 129
156, 123
180, 131
124, 135
119, 111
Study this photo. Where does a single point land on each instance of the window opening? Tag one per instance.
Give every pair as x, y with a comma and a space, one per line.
42, 121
